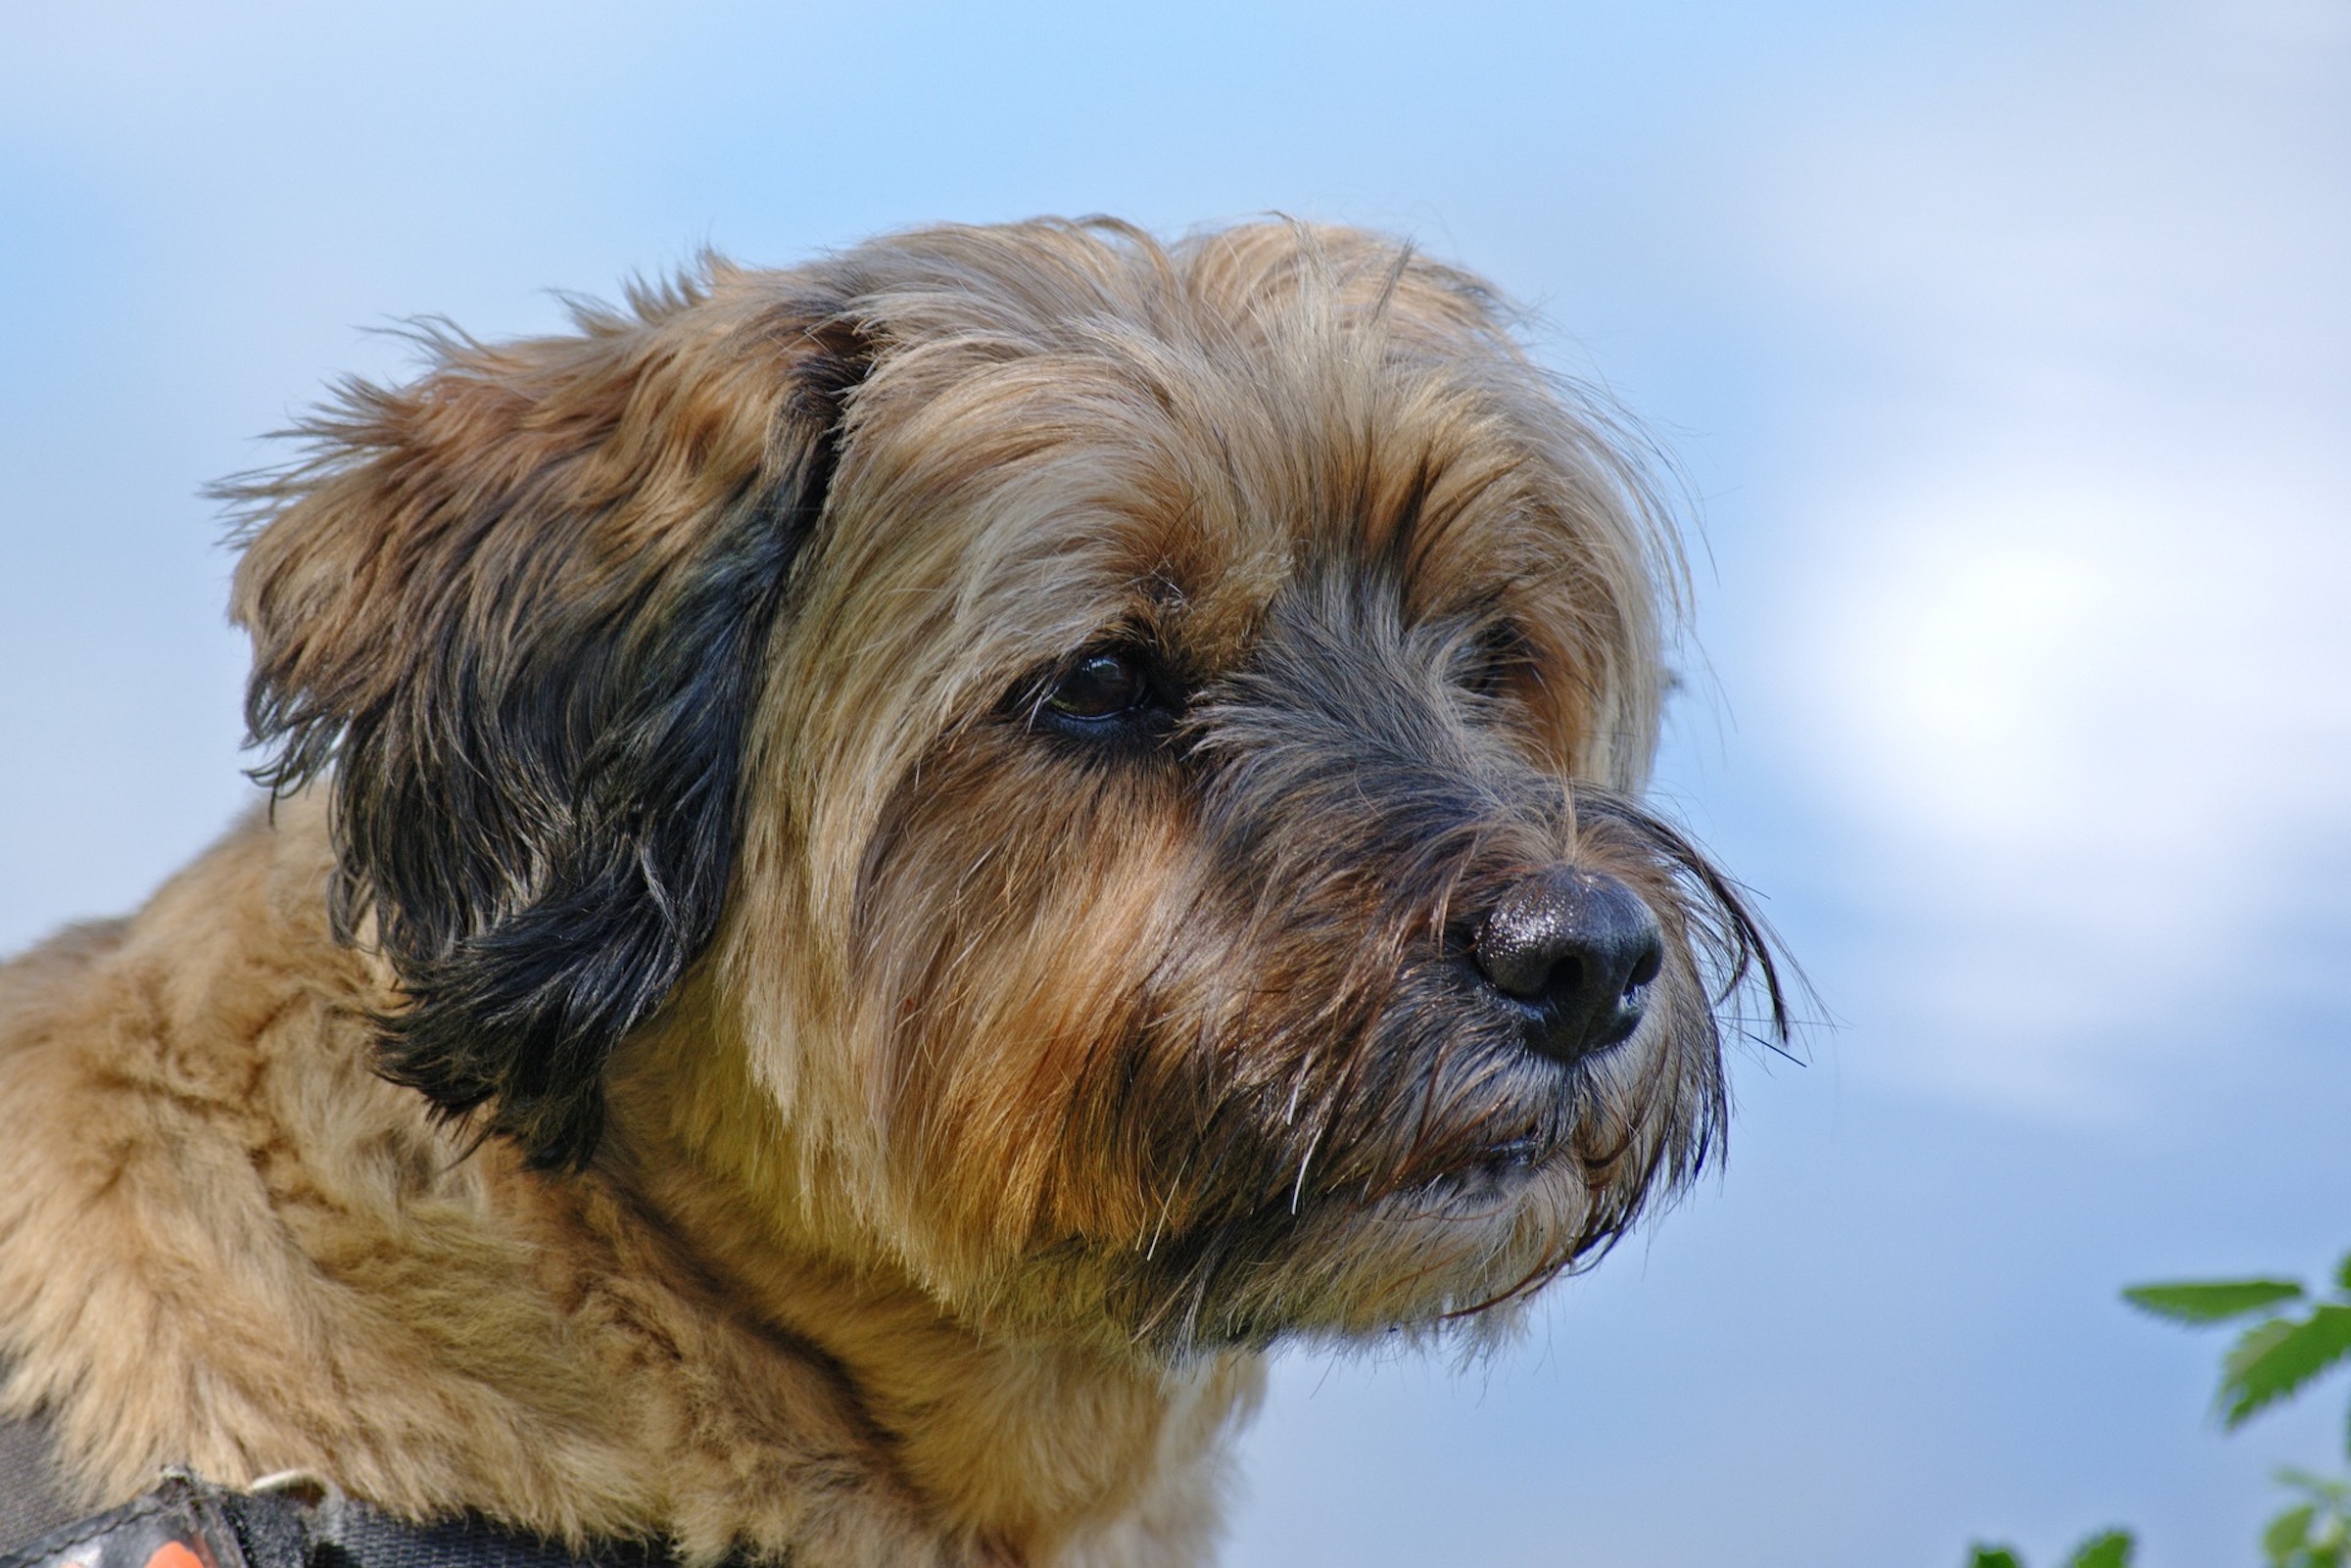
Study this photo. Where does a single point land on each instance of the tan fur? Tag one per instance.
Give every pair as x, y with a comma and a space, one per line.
186, 1283
865, 1266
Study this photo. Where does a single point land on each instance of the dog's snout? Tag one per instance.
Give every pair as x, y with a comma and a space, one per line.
1578, 951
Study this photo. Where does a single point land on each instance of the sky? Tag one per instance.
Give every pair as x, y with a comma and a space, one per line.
2004, 352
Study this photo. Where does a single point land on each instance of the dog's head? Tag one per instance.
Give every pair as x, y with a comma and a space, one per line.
1104, 775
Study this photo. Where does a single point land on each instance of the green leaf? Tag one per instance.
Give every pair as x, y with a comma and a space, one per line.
1993, 1557
2110, 1549
2342, 1275
2275, 1360
2286, 1534
2212, 1301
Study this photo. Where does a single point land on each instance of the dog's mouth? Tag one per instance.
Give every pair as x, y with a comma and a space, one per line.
1514, 1114
1497, 1173
1520, 1135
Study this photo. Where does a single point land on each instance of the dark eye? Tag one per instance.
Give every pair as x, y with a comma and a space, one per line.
1099, 686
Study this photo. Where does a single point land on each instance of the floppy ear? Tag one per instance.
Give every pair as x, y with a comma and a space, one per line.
521, 607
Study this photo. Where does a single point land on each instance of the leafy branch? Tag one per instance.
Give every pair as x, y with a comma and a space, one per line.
2292, 1336
2277, 1355
2281, 1353
2109, 1548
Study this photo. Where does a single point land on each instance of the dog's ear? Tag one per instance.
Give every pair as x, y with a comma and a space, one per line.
520, 607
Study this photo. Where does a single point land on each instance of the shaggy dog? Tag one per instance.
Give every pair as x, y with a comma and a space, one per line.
877, 878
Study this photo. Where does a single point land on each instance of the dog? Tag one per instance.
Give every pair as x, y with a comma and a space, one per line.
876, 878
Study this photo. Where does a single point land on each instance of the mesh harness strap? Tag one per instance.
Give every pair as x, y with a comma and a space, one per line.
188, 1523
295, 1521
33, 1495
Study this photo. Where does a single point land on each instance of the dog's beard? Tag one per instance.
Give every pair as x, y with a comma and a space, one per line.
1209, 1062
1390, 1153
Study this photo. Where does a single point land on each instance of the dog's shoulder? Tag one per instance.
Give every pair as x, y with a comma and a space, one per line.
147, 1069
226, 1242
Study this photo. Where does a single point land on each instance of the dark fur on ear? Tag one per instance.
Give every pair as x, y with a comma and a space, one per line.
521, 606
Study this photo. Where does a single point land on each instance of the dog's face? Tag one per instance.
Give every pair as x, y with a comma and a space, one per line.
1132, 751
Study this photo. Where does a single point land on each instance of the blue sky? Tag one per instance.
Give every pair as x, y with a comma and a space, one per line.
2006, 351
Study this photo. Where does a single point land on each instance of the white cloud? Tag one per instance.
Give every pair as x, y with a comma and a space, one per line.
2068, 641
2087, 726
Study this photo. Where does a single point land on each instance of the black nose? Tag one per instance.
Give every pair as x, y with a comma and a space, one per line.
1578, 951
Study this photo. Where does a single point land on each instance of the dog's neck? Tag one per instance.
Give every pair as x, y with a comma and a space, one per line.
1113, 1443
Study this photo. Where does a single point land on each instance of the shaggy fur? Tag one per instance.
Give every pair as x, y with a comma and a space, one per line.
713, 1040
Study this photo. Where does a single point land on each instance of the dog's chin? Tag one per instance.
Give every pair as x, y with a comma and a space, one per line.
1434, 1260
1479, 1235
1435, 1215
1424, 1260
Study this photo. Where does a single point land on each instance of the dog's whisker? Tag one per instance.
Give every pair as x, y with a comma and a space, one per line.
1303, 1160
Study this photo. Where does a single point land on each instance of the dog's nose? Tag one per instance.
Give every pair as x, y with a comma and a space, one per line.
1578, 950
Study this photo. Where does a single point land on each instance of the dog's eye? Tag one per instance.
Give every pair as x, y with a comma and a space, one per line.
1099, 686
